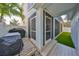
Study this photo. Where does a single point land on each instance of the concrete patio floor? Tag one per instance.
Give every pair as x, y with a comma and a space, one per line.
62, 50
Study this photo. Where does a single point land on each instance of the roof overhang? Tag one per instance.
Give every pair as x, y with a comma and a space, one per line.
56, 9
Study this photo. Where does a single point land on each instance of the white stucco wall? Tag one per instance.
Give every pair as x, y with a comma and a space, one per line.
75, 30
25, 18
66, 29
5, 28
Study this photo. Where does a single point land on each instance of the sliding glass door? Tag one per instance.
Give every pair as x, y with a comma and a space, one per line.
32, 26
57, 27
48, 27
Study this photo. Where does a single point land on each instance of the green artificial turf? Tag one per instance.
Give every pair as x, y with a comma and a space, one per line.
65, 38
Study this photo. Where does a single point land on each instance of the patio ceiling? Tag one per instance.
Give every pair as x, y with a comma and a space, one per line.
59, 8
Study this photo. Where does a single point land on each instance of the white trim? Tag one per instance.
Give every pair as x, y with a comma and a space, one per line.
33, 17
30, 7
29, 13
48, 41
46, 10
58, 35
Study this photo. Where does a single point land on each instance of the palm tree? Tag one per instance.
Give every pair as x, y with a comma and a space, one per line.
9, 9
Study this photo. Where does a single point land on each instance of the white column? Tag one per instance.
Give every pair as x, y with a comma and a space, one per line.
39, 28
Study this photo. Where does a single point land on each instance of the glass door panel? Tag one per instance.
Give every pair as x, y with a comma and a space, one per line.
48, 28
57, 27
33, 28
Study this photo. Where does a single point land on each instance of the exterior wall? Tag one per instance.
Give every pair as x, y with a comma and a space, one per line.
39, 26
5, 28
75, 30
25, 18
66, 29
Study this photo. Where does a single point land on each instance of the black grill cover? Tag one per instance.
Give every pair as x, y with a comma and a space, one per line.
10, 45
20, 30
